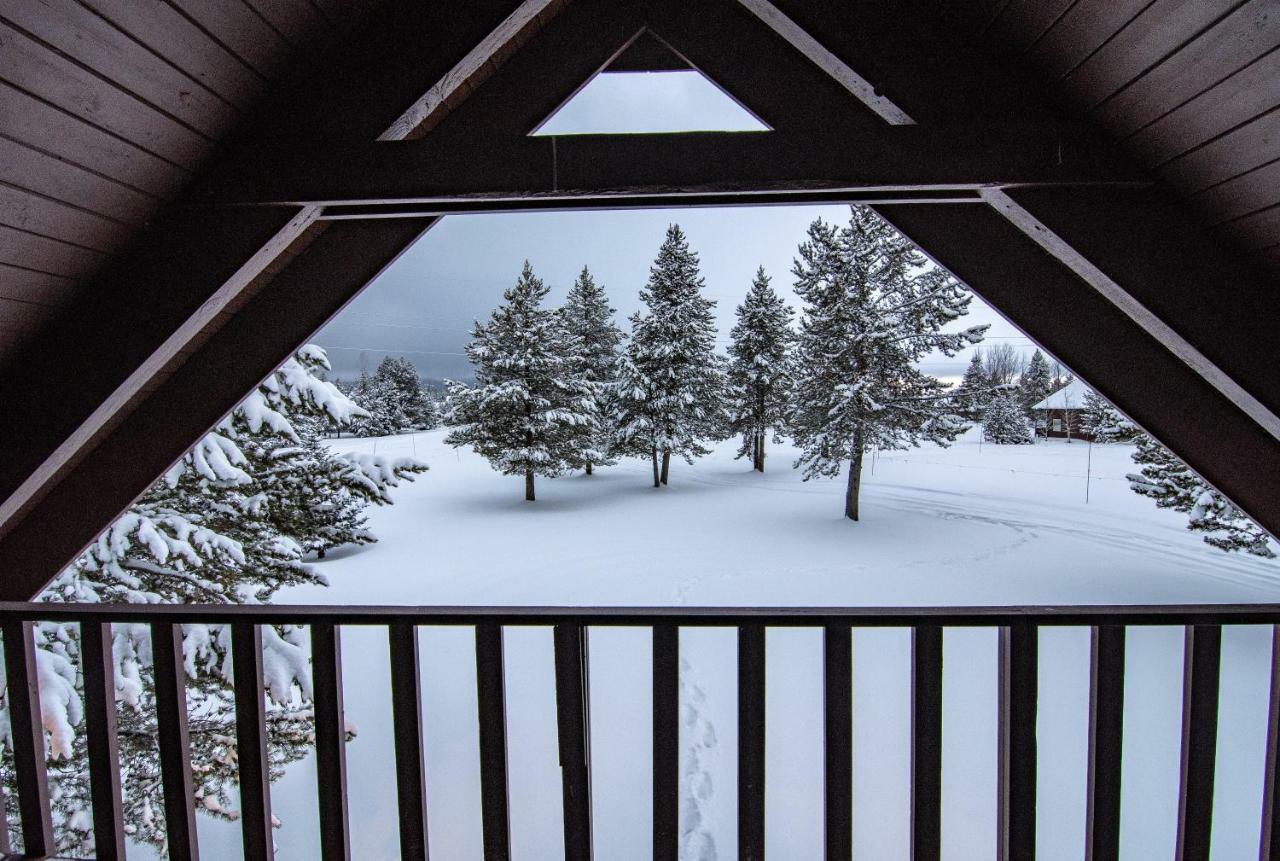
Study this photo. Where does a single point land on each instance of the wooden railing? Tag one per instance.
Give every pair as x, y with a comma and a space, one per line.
1018, 663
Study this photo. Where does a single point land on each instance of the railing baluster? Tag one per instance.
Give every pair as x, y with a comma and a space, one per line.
491, 700
751, 703
666, 743
406, 705
837, 700
331, 742
926, 743
573, 722
173, 741
1106, 740
98, 666
1016, 812
1200, 677
28, 738
1270, 848
251, 742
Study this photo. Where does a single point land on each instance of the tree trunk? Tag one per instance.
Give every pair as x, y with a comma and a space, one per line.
588, 468
760, 451
855, 479
528, 484
653, 455
666, 464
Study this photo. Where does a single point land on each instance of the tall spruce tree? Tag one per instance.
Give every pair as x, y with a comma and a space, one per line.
974, 391
1036, 382
872, 309
219, 527
1172, 484
593, 341
1003, 421
408, 401
759, 368
670, 380
529, 401
1103, 422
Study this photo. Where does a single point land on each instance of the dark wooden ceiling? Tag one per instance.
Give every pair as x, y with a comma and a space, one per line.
108, 108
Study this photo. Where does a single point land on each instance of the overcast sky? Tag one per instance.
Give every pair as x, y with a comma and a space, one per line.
423, 306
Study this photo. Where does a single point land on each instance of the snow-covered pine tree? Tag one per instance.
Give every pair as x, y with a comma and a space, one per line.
408, 402
1103, 422
759, 368
671, 381
1172, 484
872, 309
593, 341
1036, 382
528, 402
971, 396
1003, 421
206, 532
380, 406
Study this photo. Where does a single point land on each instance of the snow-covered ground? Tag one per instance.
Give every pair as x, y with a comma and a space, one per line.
974, 524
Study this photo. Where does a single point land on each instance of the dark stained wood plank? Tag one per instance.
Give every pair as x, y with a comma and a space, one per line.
1201, 668
331, 742
235, 25
666, 743
28, 65
254, 768
491, 706
926, 743
837, 736
1021, 23
1238, 151
573, 725
35, 213
1248, 192
647, 54
1269, 849
1256, 231
297, 21
1234, 102
1017, 750
27, 731
39, 288
406, 707
98, 667
44, 127
751, 742
174, 742
1149, 38
30, 250
1080, 31
1106, 742
25, 316
1233, 43
85, 37
29, 168
170, 34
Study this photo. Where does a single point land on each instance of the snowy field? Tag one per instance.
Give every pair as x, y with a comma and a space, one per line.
974, 524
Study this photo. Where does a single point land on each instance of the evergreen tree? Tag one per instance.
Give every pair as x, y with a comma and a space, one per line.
593, 341
214, 529
872, 310
1172, 484
671, 382
972, 394
759, 371
1036, 383
1004, 423
408, 403
1103, 422
524, 412
380, 413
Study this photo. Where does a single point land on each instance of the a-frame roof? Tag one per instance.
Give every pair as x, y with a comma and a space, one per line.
180, 180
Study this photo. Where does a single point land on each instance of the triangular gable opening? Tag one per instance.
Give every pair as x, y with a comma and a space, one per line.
649, 89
